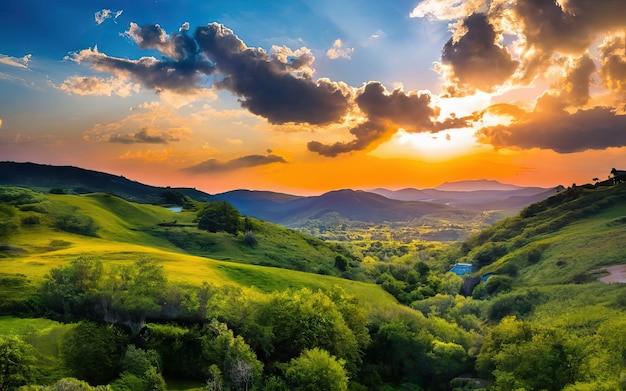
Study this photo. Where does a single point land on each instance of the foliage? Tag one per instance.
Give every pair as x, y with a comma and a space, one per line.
219, 216
76, 224
523, 355
89, 346
16, 362
316, 369
67, 384
303, 319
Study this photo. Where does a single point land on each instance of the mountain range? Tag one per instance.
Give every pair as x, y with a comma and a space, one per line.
376, 205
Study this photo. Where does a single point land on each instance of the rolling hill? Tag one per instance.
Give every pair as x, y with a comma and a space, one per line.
349, 204
569, 238
81, 181
287, 209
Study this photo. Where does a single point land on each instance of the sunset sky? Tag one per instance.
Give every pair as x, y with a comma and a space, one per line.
306, 96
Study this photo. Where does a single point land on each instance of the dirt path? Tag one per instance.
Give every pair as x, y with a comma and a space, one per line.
617, 273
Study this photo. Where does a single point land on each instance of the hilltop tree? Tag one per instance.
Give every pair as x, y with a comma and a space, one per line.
219, 216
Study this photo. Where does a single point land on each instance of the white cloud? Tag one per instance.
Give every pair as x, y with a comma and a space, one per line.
15, 61
339, 51
448, 9
105, 14
378, 34
89, 85
234, 141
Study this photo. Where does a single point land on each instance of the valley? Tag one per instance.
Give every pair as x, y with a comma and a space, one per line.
370, 295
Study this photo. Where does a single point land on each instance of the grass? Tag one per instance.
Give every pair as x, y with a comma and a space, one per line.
125, 233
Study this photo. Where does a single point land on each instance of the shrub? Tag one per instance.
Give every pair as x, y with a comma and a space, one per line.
249, 239
76, 224
30, 220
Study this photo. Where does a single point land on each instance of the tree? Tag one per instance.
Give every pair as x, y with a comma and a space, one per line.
136, 291
315, 369
219, 216
68, 291
304, 319
92, 352
16, 362
523, 355
232, 355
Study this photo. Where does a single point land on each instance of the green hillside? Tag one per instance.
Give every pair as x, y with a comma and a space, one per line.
48, 226
41, 231
533, 314
565, 239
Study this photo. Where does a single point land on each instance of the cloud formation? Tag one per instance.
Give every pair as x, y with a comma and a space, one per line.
386, 113
15, 61
339, 51
475, 60
219, 166
268, 86
90, 85
278, 87
148, 136
105, 14
448, 9
597, 128
613, 63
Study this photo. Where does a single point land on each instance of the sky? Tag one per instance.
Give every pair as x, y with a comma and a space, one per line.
307, 96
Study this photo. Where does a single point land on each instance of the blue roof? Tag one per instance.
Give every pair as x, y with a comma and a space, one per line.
461, 268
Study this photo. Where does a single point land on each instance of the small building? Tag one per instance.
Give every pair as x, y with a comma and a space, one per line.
461, 268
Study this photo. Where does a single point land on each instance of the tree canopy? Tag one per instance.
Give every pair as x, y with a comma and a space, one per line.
219, 216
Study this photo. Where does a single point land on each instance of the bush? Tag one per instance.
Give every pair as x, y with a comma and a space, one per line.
519, 304
249, 239
498, 284
30, 220
76, 224
219, 216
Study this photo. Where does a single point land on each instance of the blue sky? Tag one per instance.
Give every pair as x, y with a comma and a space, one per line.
278, 94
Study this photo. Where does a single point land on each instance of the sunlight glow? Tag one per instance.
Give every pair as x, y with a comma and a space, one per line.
429, 146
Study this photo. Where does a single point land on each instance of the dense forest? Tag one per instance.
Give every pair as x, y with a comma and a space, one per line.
100, 293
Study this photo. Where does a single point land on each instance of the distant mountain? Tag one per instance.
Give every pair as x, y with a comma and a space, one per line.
510, 200
43, 177
376, 206
473, 185
350, 204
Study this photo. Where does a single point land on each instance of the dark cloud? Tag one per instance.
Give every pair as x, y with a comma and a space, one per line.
386, 113
562, 132
267, 86
366, 134
183, 76
278, 87
476, 60
217, 166
144, 136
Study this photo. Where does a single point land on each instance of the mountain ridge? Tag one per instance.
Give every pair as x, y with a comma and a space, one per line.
291, 210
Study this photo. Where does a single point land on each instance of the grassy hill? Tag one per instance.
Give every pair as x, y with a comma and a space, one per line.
557, 241
545, 263
41, 231
75, 180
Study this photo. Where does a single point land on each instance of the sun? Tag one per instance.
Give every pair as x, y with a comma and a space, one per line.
427, 146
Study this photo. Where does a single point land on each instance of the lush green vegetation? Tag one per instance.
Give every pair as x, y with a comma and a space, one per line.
100, 293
